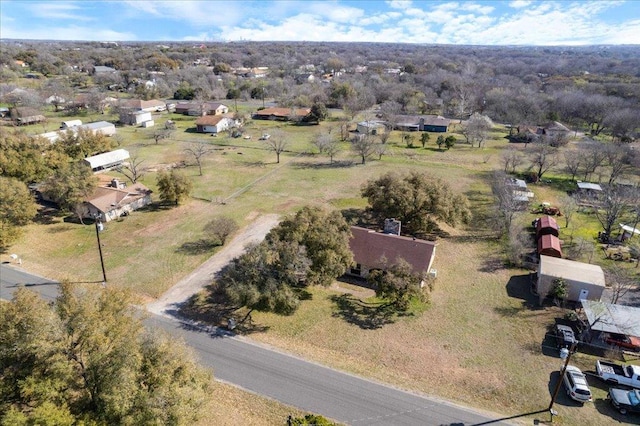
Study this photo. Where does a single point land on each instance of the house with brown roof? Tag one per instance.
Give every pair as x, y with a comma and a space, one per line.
214, 124
114, 200
377, 250
282, 114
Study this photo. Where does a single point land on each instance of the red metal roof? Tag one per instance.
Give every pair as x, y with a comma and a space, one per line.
549, 245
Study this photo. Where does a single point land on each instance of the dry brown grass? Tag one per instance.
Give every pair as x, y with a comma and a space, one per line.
231, 406
479, 343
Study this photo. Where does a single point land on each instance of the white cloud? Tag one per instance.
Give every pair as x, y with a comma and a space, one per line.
58, 10
335, 12
71, 32
198, 13
399, 4
520, 4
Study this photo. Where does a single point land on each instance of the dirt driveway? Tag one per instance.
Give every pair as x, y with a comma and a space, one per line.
255, 232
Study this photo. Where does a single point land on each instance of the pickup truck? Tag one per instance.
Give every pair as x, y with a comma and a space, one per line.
628, 375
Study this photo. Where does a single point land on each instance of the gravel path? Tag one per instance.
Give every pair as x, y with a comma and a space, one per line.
255, 232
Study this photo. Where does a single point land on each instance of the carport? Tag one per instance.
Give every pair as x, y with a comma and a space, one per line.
612, 318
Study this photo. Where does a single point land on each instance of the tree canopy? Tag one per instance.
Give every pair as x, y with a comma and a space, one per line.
86, 359
173, 186
325, 236
417, 200
397, 283
17, 208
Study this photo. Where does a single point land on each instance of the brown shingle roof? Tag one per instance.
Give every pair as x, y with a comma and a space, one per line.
283, 112
369, 247
209, 120
108, 198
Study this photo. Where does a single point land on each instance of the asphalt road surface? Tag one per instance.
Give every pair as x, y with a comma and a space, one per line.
286, 378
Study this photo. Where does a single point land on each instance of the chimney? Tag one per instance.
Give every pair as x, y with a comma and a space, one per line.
392, 226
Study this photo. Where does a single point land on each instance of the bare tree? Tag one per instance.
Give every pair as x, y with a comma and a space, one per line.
133, 169
277, 143
618, 158
593, 157
160, 134
380, 149
543, 157
568, 206
363, 145
511, 159
326, 144
572, 163
507, 205
476, 129
614, 202
621, 282
198, 151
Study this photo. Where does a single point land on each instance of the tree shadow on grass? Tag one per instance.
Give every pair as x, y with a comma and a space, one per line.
211, 308
329, 165
367, 316
200, 246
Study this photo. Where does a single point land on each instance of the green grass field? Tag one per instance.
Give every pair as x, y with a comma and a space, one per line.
479, 340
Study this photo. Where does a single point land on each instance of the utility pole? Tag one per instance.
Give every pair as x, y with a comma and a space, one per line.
104, 273
561, 378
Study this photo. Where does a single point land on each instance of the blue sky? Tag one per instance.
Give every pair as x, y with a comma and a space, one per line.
509, 22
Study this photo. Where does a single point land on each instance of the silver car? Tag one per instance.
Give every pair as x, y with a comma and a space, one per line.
576, 385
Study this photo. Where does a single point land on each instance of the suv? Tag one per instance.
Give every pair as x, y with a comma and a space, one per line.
564, 335
623, 341
576, 385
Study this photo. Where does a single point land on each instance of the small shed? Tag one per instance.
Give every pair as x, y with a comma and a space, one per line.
149, 123
69, 124
627, 232
589, 186
107, 160
549, 245
546, 225
370, 127
584, 280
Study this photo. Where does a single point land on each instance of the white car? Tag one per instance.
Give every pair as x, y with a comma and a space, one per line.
265, 136
576, 385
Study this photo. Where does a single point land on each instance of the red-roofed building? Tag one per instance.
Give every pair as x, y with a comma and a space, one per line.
549, 245
547, 226
376, 250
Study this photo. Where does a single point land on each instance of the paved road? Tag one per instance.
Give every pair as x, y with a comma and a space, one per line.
289, 379
11, 277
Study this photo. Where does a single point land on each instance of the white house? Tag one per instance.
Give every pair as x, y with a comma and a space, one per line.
135, 118
214, 124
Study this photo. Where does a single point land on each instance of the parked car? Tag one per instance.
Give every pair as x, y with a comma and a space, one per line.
576, 385
265, 136
625, 401
564, 335
628, 375
623, 341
